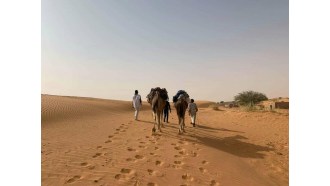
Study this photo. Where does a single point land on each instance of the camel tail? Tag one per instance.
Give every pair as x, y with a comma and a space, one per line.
181, 110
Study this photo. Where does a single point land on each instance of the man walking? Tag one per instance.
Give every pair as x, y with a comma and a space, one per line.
137, 103
192, 110
166, 109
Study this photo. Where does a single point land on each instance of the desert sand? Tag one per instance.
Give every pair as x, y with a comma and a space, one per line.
87, 141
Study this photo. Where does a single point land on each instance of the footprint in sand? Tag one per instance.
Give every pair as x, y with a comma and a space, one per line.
110, 136
91, 167
147, 137
142, 142
129, 159
176, 166
116, 132
202, 169
159, 163
151, 184
156, 148
108, 141
178, 162
97, 154
173, 144
182, 152
187, 177
108, 161
279, 153
151, 172
151, 153
125, 171
98, 147
194, 154
159, 135
177, 148
130, 149
205, 162
139, 157
177, 156
214, 183
119, 176
141, 146
73, 179
83, 164
117, 129
183, 142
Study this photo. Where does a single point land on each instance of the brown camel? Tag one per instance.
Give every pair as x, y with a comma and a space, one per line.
157, 99
181, 106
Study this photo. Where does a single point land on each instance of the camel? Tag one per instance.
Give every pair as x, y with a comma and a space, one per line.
157, 99
181, 105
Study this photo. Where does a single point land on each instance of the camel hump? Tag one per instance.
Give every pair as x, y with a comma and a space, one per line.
162, 92
180, 94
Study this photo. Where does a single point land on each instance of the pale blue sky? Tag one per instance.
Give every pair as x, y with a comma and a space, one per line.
211, 49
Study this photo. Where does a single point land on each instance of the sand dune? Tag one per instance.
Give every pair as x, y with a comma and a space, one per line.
87, 141
204, 104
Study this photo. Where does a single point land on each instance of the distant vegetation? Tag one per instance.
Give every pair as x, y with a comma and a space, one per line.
250, 98
215, 107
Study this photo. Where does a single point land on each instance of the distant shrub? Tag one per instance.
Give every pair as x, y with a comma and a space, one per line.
249, 109
250, 98
215, 107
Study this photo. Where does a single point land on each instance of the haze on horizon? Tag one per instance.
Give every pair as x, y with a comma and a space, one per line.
211, 49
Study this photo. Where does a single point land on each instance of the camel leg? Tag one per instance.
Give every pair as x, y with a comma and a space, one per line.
158, 121
154, 128
180, 125
154, 116
161, 119
183, 125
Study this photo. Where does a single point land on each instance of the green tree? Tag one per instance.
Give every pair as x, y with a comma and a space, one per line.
250, 98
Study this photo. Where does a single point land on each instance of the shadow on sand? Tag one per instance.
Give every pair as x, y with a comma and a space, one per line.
201, 126
201, 134
234, 145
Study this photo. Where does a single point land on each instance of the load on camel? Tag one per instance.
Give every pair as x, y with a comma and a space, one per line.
181, 100
157, 99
